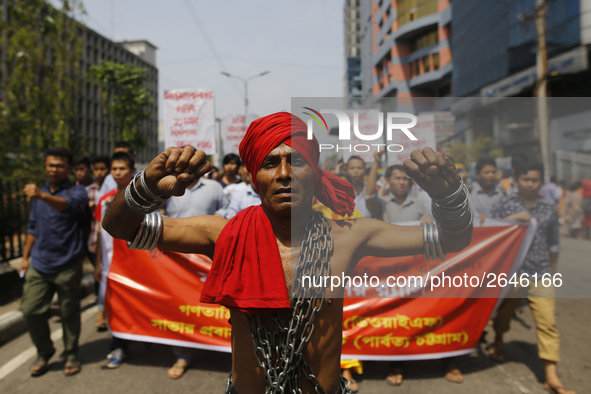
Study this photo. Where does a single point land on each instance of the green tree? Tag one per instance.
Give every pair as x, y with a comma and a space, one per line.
124, 100
481, 147
40, 53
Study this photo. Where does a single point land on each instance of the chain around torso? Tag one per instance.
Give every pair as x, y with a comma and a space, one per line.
316, 368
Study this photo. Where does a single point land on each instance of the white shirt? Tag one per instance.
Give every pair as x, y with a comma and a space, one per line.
360, 203
241, 199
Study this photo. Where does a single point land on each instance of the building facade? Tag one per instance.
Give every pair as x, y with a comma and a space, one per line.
494, 48
352, 83
93, 131
410, 48
89, 128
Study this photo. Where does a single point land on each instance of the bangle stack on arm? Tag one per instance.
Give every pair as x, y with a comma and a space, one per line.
449, 216
148, 234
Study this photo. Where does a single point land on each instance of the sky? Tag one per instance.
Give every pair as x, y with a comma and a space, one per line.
301, 44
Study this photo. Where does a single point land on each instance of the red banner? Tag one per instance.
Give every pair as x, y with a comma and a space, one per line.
154, 297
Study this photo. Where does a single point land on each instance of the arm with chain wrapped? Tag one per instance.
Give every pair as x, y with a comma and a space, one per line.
134, 217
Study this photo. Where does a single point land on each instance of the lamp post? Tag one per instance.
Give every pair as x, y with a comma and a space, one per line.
245, 81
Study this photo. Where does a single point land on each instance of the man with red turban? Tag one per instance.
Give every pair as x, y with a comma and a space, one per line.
252, 274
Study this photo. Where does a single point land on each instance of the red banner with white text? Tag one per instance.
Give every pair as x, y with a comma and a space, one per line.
154, 297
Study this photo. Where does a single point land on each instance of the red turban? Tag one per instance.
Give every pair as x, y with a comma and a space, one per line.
247, 271
267, 133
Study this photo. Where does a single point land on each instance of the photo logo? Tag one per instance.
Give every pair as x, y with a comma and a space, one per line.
344, 121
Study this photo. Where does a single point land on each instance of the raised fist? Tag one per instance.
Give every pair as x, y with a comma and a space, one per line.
433, 171
174, 169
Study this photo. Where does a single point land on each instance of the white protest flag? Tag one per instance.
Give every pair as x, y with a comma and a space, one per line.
425, 133
233, 129
189, 119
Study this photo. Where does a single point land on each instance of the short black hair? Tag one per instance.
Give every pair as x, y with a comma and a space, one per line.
60, 152
485, 161
102, 159
82, 160
575, 186
125, 145
517, 159
232, 157
527, 166
124, 156
391, 169
355, 158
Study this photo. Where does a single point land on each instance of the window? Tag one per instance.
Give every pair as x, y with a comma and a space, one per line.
425, 40
435, 61
426, 64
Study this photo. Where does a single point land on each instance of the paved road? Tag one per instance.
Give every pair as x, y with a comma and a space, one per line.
145, 371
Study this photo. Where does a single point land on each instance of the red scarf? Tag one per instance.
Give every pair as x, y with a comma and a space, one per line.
247, 272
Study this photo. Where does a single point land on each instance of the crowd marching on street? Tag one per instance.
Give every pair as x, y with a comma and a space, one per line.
65, 228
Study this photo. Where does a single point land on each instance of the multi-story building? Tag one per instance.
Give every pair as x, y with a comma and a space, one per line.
91, 122
352, 83
409, 52
90, 131
494, 49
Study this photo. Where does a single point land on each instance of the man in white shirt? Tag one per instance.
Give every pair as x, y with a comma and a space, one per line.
356, 174
241, 199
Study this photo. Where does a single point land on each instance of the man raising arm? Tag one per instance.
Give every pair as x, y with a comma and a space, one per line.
256, 256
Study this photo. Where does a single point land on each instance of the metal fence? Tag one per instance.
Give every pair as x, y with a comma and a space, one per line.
14, 215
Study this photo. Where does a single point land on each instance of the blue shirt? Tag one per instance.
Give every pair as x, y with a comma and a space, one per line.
59, 242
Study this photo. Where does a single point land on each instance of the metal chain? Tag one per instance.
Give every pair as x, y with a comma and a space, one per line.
280, 351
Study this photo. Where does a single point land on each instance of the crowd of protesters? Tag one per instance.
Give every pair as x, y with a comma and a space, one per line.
520, 197
64, 227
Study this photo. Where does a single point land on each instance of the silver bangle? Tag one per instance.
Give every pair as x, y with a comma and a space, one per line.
426, 243
449, 198
432, 245
453, 216
137, 206
148, 234
148, 191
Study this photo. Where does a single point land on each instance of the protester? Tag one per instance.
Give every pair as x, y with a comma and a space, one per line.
574, 216
82, 172
551, 191
109, 183
485, 192
231, 165
541, 259
508, 185
252, 256
397, 206
213, 174
202, 197
122, 171
355, 170
241, 199
101, 167
52, 260
465, 175
230, 190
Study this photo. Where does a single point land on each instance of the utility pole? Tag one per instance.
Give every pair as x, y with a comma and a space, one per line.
541, 89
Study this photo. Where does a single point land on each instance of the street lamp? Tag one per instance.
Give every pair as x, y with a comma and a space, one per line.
245, 81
